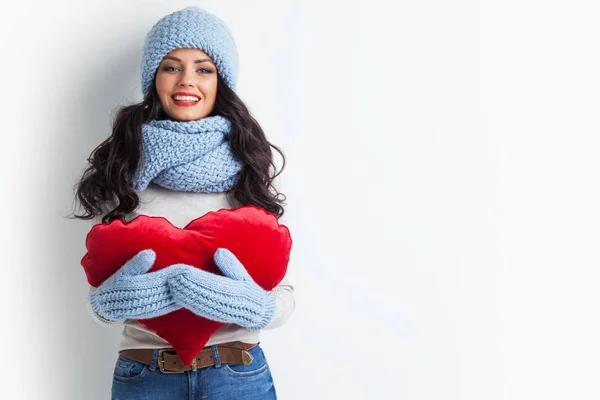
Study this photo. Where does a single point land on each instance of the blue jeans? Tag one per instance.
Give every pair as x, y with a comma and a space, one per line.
133, 380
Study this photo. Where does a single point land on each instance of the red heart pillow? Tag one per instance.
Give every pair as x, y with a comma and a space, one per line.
254, 235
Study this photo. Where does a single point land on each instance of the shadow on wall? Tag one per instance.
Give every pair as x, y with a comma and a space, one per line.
79, 345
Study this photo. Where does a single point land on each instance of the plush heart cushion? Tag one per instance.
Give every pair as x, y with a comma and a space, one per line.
251, 233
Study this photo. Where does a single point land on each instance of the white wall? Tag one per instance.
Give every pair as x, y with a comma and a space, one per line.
442, 185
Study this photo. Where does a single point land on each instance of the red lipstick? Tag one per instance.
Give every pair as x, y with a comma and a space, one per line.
185, 103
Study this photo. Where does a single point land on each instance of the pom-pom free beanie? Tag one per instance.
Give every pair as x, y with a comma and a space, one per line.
194, 28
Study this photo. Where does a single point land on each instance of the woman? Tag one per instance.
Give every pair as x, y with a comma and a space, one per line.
190, 147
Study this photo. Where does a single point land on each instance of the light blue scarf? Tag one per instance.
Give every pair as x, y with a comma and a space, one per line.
191, 156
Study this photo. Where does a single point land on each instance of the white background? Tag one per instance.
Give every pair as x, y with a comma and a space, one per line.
442, 188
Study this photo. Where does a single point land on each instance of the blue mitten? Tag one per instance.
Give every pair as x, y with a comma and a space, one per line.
233, 298
131, 292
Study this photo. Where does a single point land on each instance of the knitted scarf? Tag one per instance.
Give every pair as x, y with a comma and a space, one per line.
192, 156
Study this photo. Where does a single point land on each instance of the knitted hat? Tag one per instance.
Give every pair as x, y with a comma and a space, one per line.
195, 28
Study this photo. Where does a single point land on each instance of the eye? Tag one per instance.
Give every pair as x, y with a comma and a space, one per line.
205, 70
168, 68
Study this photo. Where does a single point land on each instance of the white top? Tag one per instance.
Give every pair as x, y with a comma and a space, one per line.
180, 208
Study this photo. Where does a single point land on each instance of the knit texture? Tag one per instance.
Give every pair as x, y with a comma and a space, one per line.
191, 156
133, 293
194, 28
233, 298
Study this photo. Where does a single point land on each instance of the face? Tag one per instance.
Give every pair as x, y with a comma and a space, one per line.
186, 82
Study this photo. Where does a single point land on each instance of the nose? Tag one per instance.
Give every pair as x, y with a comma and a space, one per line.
186, 78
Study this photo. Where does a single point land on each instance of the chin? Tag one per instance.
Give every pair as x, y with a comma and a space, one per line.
187, 117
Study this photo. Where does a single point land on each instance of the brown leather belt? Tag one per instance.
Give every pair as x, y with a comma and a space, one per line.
169, 362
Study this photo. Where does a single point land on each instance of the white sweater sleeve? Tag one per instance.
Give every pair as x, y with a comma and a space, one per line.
286, 303
284, 292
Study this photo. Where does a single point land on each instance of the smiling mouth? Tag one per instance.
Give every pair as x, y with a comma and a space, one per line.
185, 101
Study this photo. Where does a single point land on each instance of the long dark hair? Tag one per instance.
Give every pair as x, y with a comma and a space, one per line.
104, 178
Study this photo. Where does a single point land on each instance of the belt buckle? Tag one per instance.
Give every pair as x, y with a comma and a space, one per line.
246, 357
161, 363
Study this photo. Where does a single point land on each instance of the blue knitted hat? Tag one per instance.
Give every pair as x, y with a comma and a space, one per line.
194, 28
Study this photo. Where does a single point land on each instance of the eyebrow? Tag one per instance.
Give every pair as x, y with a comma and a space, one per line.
195, 62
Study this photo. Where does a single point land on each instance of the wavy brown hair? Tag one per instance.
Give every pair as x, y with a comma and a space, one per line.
104, 178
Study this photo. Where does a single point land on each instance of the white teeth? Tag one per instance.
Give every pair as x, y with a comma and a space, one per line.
186, 98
